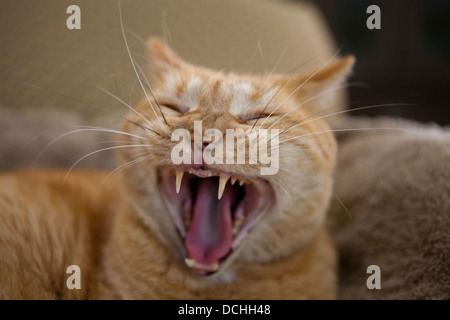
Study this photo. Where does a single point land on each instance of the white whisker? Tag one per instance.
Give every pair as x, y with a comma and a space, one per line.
110, 141
301, 66
165, 27
126, 104
150, 88
132, 61
306, 101
345, 111
126, 165
85, 129
145, 77
321, 184
282, 188
261, 55
93, 128
339, 130
300, 86
332, 89
101, 150
132, 90
303, 149
274, 67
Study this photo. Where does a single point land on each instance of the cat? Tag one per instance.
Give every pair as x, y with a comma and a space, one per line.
156, 230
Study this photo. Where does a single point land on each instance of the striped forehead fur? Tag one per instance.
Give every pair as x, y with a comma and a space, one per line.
243, 97
189, 97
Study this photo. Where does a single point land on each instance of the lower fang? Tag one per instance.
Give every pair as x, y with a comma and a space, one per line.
238, 219
236, 225
205, 267
222, 185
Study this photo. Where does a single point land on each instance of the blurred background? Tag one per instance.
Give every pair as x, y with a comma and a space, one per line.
407, 60
52, 79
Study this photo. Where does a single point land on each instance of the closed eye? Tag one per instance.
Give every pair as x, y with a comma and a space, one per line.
174, 107
255, 116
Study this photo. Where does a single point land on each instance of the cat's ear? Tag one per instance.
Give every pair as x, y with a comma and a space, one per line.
320, 87
162, 58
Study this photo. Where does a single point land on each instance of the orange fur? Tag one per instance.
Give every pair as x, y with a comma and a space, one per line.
47, 226
120, 233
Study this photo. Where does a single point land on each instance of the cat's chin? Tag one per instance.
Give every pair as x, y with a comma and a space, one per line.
213, 211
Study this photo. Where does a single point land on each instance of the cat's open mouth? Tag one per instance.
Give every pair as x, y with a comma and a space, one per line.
213, 211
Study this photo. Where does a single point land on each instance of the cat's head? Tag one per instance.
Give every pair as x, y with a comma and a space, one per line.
262, 214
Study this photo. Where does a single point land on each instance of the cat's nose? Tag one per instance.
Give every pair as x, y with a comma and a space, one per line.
211, 136
200, 146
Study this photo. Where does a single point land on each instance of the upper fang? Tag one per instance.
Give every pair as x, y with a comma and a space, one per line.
179, 178
222, 184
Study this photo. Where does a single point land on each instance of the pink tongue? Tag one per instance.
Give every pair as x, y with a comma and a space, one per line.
209, 237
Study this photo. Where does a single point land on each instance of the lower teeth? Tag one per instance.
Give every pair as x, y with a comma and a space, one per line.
206, 267
239, 218
236, 225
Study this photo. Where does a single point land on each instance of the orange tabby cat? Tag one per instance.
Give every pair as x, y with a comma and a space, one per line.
162, 231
